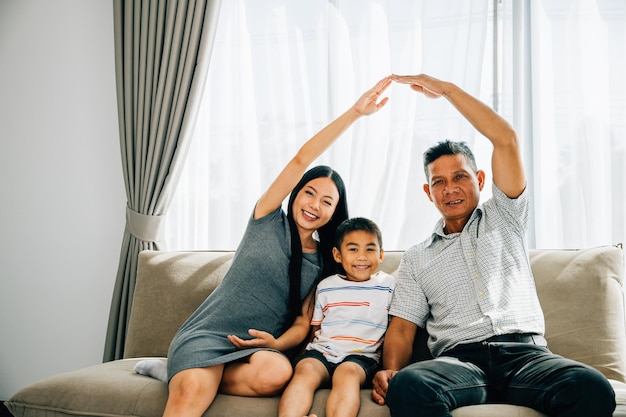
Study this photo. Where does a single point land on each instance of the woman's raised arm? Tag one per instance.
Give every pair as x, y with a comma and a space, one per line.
367, 104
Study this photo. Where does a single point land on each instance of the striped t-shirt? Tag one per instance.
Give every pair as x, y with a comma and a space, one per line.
352, 316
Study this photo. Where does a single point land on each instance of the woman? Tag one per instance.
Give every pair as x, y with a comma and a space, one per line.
269, 285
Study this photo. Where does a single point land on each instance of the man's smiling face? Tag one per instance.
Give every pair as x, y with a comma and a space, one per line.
455, 189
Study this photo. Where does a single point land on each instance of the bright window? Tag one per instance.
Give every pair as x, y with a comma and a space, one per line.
281, 70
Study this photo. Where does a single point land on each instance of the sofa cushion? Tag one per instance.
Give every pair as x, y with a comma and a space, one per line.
581, 294
112, 389
109, 389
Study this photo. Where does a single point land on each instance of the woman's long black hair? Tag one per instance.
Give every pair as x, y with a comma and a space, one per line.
325, 233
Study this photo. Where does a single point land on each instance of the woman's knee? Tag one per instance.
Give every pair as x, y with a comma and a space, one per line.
189, 385
272, 373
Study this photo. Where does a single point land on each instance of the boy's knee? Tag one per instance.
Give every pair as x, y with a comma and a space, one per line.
349, 369
349, 373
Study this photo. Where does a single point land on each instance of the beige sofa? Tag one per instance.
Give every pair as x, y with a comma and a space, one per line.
580, 291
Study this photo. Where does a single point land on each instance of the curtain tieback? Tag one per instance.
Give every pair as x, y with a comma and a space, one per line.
145, 227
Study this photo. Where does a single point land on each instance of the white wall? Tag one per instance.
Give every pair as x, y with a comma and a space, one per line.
61, 186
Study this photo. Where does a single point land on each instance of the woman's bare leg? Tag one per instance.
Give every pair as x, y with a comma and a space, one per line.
344, 399
297, 399
266, 373
192, 391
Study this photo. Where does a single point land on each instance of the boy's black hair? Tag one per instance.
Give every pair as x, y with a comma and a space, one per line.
448, 147
355, 224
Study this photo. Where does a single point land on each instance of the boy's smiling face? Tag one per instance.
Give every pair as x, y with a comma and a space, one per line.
360, 255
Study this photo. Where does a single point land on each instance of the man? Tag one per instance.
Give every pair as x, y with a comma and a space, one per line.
471, 287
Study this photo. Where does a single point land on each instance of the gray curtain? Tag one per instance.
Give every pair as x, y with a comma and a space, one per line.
162, 52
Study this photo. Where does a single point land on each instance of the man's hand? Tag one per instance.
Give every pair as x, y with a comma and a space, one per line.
506, 161
422, 83
380, 384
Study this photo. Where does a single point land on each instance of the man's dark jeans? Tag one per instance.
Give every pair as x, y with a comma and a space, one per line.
513, 373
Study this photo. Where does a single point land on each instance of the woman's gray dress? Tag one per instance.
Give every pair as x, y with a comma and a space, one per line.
254, 294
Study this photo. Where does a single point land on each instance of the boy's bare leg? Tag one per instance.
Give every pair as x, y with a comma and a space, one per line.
192, 391
265, 373
344, 399
297, 399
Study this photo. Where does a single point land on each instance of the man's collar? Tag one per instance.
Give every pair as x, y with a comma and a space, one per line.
438, 232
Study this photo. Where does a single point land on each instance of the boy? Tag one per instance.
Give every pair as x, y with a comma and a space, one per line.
349, 322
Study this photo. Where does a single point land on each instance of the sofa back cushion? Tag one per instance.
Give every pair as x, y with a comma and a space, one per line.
580, 292
169, 287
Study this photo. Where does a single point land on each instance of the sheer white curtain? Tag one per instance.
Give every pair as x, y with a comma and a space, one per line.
578, 53
281, 70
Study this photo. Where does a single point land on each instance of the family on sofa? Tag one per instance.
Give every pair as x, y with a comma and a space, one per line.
469, 285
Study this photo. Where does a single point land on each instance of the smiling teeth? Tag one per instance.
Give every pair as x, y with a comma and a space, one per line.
310, 214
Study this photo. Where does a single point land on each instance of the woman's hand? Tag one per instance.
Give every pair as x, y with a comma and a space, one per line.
368, 103
261, 339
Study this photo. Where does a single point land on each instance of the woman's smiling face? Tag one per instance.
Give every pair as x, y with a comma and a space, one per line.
315, 203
